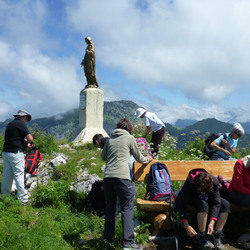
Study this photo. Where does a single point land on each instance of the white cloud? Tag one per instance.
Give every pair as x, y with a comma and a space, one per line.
197, 46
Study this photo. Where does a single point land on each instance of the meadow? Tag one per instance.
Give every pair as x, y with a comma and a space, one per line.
59, 218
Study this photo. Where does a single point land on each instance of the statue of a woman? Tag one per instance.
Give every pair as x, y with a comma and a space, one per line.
88, 63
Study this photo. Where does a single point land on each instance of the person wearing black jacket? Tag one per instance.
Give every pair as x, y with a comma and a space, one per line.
99, 140
201, 191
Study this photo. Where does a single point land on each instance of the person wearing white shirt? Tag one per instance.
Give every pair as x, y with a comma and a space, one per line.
154, 123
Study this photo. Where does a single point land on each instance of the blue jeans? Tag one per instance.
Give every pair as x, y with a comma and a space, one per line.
123, 189
13, 168
216, 157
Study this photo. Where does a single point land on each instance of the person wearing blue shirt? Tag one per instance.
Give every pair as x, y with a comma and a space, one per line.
225, 147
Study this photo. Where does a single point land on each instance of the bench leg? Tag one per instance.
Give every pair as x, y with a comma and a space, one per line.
161, 223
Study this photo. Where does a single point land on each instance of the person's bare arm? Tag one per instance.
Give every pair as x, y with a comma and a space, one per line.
218, 148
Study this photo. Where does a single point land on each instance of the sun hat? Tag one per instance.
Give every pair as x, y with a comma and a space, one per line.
139, 112
246, 161
23, 113
237, 129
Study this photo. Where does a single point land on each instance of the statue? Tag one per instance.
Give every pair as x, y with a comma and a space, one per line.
88, 63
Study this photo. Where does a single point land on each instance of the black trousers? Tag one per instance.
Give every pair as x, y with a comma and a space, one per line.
203, 206
156, 139
240, 199
123, 189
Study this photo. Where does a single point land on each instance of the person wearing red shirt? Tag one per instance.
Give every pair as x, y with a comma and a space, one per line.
239, 189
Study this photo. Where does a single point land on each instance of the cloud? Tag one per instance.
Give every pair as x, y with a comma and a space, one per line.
146, 51
200, 47
42, 82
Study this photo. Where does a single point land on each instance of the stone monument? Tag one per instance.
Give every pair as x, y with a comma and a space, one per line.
91, 101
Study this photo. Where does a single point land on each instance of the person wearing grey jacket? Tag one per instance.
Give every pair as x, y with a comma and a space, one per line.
117, 182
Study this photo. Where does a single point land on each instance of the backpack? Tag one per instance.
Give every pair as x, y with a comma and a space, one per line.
207, 149
224, 185
159, 185
32, 161
95, 198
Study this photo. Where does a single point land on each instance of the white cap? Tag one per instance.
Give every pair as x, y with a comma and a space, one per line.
139, 112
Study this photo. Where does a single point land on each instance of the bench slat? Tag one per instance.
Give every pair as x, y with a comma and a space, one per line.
179, 170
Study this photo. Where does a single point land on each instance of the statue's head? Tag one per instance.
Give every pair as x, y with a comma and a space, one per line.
88, 39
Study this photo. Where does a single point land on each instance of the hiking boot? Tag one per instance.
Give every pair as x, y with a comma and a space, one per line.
203, 242
218, 236
129, 246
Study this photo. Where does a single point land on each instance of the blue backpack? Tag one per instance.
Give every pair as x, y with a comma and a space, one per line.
159, 185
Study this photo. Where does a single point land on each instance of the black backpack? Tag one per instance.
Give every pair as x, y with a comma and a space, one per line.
95, 198
207, 149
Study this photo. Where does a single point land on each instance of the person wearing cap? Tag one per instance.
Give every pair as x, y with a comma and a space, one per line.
229, 144
239, 188
16, 135
154, 123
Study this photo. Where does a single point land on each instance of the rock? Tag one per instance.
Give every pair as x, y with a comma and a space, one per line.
84, 183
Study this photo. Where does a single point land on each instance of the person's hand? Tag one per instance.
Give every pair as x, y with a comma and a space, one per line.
224, 142
227, 153
150, 158
31, 145
190, 231
210, 227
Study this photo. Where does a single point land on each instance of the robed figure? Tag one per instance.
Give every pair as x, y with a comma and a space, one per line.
88, 63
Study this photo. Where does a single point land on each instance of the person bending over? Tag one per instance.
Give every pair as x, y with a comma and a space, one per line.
225, 147
201, 191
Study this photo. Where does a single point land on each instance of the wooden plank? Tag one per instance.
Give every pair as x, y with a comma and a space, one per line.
179, 169
163, 206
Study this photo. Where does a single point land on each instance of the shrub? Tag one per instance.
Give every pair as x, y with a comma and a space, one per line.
54, 194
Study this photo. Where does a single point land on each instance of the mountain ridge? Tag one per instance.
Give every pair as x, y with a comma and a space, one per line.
62, 125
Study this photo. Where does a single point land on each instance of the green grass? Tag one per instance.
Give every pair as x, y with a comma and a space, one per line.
61, 219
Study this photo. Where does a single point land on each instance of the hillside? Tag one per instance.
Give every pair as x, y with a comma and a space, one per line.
62, 125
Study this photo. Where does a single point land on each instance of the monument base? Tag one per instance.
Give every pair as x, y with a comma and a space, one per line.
84, 135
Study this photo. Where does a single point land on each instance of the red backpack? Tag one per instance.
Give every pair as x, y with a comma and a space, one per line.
32, 161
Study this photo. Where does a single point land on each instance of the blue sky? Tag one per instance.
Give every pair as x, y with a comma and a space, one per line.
180, 59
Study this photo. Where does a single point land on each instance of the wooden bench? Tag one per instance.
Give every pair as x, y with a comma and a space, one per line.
178, 171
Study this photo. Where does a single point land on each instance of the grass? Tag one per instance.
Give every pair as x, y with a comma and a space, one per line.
61, 219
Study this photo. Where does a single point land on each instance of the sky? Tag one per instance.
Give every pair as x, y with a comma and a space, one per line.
179, 59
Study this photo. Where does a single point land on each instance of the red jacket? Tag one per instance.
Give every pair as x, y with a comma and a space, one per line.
241, 179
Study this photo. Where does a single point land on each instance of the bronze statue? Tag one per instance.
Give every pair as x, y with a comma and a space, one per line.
88, 63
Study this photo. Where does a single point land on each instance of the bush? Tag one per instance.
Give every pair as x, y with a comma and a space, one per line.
53, 194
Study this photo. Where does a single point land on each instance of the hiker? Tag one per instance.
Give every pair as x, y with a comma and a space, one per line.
201, 191
229, 144
158, 127
99, 140
117, 182
239, 188
16, 136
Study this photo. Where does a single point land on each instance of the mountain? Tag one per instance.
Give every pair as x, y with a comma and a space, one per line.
62, 125
182, 123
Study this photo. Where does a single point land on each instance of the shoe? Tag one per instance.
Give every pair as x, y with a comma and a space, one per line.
129, 246
203, 242
218, 236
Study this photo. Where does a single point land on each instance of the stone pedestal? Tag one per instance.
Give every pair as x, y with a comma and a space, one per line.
90, 116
